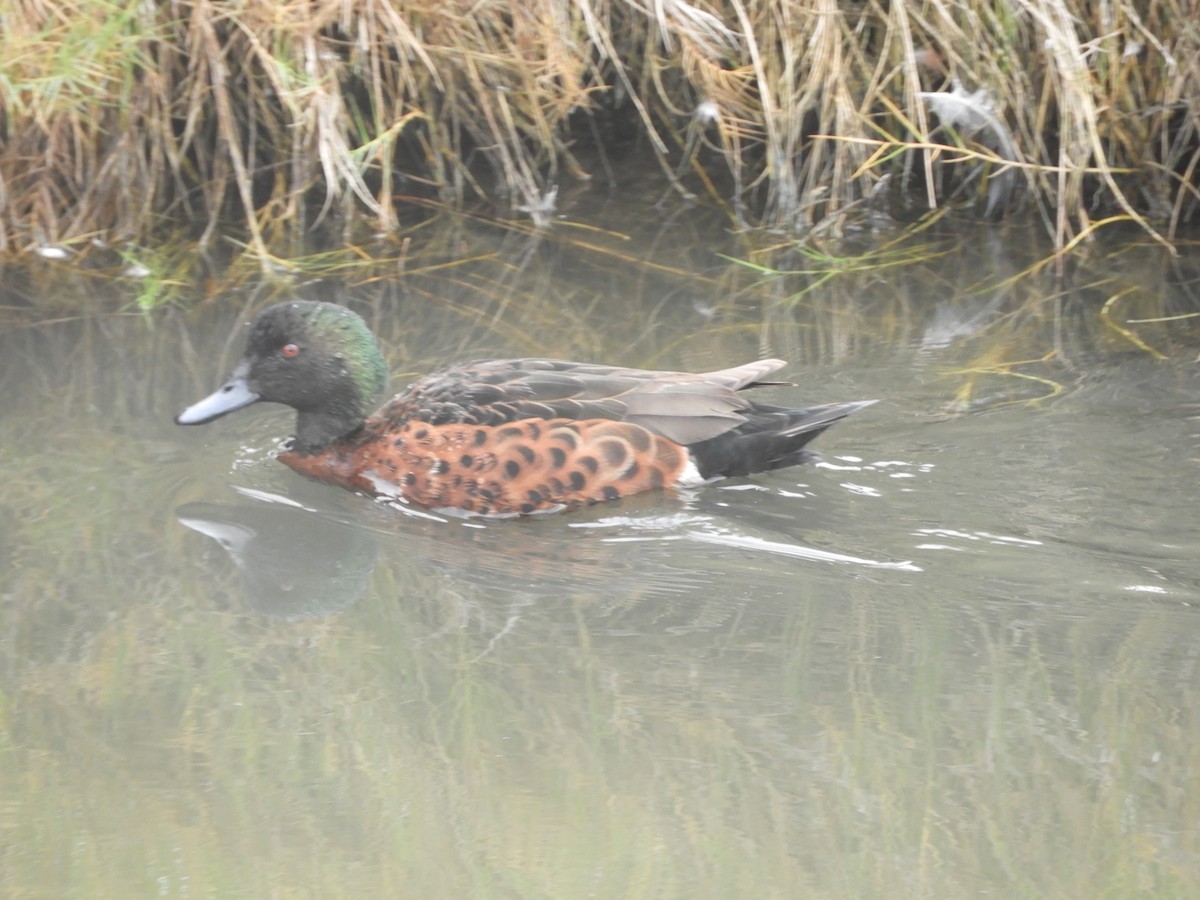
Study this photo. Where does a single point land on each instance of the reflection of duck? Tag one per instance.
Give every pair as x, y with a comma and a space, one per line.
293, 564
297, 561
300, 557
503, 437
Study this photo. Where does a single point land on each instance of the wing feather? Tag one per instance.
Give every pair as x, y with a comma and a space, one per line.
684, 407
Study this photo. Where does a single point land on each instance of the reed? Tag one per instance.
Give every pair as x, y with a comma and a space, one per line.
296, 122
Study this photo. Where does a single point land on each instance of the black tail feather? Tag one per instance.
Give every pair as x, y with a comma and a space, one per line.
772, 437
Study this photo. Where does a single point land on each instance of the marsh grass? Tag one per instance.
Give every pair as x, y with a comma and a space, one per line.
294, 123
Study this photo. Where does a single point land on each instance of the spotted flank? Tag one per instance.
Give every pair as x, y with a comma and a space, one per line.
525, 466
504, 437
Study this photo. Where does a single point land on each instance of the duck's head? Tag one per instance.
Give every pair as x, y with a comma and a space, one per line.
318, 358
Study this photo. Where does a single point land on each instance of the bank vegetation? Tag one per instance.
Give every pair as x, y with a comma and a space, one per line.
288, 122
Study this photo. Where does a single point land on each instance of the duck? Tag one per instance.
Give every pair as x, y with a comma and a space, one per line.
504, 437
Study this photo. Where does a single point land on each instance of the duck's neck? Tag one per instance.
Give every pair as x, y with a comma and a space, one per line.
317, 430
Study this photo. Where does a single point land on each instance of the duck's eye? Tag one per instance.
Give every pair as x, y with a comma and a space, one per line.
290, 350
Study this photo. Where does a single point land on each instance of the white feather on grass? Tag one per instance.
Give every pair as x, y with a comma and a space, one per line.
973, 113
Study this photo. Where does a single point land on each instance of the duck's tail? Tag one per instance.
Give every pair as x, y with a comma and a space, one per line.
771, 437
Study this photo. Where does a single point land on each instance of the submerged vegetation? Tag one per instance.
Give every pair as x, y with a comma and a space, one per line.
294, 121
539, 710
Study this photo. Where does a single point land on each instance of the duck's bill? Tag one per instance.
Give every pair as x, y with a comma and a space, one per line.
233, 395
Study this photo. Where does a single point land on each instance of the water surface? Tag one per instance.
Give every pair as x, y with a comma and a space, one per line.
958, 656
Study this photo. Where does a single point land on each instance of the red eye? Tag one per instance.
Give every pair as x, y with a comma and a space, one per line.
290, 350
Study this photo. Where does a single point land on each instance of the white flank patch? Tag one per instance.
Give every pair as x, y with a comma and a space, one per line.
690, 476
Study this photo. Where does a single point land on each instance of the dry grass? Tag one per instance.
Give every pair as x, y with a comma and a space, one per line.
285, 120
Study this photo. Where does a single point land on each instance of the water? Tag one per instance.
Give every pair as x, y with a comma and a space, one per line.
957, 657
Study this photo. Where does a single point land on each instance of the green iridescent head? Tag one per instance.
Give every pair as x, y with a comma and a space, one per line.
321, 359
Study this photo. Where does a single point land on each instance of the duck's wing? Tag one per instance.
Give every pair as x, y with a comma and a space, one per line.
680, 406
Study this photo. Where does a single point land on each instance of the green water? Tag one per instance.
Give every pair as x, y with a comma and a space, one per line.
958, 657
